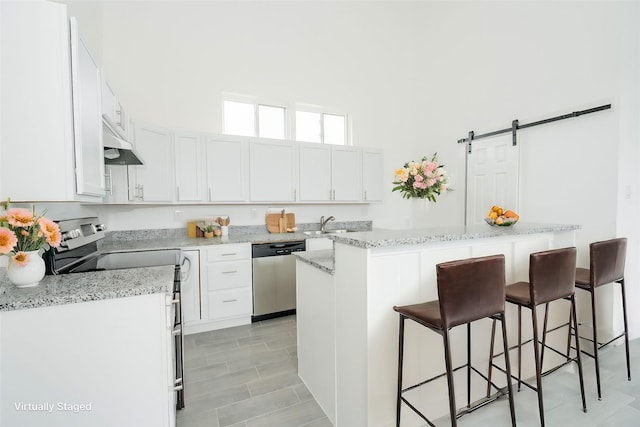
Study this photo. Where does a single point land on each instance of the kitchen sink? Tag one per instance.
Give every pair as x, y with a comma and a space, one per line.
319, 232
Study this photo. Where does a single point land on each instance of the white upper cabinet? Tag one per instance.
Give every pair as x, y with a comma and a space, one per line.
372, 175
226, 168
87, 117
346, 174
153, 181
38, 159
112, 108
315, 173
272, 171
188, 164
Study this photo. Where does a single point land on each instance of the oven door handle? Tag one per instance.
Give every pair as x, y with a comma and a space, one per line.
185, 273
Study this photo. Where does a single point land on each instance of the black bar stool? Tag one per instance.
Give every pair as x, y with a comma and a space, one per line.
468, 290
551, 278
606, 265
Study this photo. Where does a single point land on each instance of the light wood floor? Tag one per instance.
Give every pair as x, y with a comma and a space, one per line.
247, 377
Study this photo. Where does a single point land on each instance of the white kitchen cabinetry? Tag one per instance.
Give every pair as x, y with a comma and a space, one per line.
225, 288
153, 181
188, 167
346, 174
112, 108
226, 168
372, 175
272, 171
315, 173
114, 355
41, 150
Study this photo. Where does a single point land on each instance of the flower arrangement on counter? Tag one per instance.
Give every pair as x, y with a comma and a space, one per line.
22, 231
425, 179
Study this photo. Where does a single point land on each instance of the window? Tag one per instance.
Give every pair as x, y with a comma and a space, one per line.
248, 116
249, 119
320, 127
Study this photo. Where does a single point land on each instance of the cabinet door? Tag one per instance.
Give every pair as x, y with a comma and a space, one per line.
372, 175
87, 118
117, 184
188, 167
346, 173
226, 167
272, 172
153, 180
315, 173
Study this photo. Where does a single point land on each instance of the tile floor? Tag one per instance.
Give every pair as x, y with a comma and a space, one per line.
246, 377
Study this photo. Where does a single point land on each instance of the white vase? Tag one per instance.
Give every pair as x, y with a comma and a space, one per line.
24, 276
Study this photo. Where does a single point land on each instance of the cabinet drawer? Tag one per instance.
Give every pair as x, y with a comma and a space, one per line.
233, 302
228, 253
225, 275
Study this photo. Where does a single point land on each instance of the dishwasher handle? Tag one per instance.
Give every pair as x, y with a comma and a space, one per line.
277, 249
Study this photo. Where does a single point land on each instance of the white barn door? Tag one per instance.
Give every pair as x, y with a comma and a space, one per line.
492, 177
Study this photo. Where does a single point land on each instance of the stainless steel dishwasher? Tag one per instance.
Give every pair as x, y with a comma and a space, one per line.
274, 279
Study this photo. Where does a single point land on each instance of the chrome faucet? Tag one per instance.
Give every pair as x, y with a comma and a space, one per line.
324, 222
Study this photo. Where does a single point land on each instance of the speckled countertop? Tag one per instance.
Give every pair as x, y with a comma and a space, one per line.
82, 287
388, 238
322, 259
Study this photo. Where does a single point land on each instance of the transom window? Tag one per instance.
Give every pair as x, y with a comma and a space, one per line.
309, 124
248, 119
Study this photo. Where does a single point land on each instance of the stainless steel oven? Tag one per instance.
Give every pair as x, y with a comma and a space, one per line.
79, 253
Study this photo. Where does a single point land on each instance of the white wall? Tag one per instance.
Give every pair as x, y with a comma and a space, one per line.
414, 77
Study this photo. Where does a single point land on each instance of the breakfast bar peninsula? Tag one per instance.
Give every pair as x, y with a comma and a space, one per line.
348, 331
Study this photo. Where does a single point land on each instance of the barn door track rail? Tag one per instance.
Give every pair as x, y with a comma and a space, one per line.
515, 125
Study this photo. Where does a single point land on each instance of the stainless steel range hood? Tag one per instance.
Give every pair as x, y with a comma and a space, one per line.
117, 151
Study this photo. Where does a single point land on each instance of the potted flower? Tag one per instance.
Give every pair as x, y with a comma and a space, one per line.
208, 231
424, 179
23, 237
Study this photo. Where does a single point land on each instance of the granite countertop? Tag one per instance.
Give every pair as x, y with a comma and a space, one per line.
182, 241
389, 238
82, 287
322, 259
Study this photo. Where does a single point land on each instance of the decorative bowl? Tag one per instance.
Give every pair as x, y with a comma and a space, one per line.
506, 222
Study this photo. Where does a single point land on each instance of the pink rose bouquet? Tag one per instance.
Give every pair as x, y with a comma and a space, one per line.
424, 179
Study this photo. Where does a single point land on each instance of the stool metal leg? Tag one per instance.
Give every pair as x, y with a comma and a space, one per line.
575, 324
519, 347
592, 291
626, 327
544, 334
449, 368
536, 352
400, 357
468, 365
491, 347
508, 367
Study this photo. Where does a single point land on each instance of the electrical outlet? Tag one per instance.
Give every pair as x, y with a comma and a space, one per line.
254, 213
177, 215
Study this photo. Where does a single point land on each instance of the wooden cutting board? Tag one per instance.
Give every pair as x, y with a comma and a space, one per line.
273, 222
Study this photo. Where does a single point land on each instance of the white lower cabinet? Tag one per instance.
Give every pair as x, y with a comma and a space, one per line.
225, 292
98, 363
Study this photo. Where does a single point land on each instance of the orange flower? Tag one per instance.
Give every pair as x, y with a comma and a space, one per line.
7, 240
50, 230
24, 232
21, 258
19, 217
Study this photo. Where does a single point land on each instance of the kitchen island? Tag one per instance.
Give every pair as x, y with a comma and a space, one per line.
350, 364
